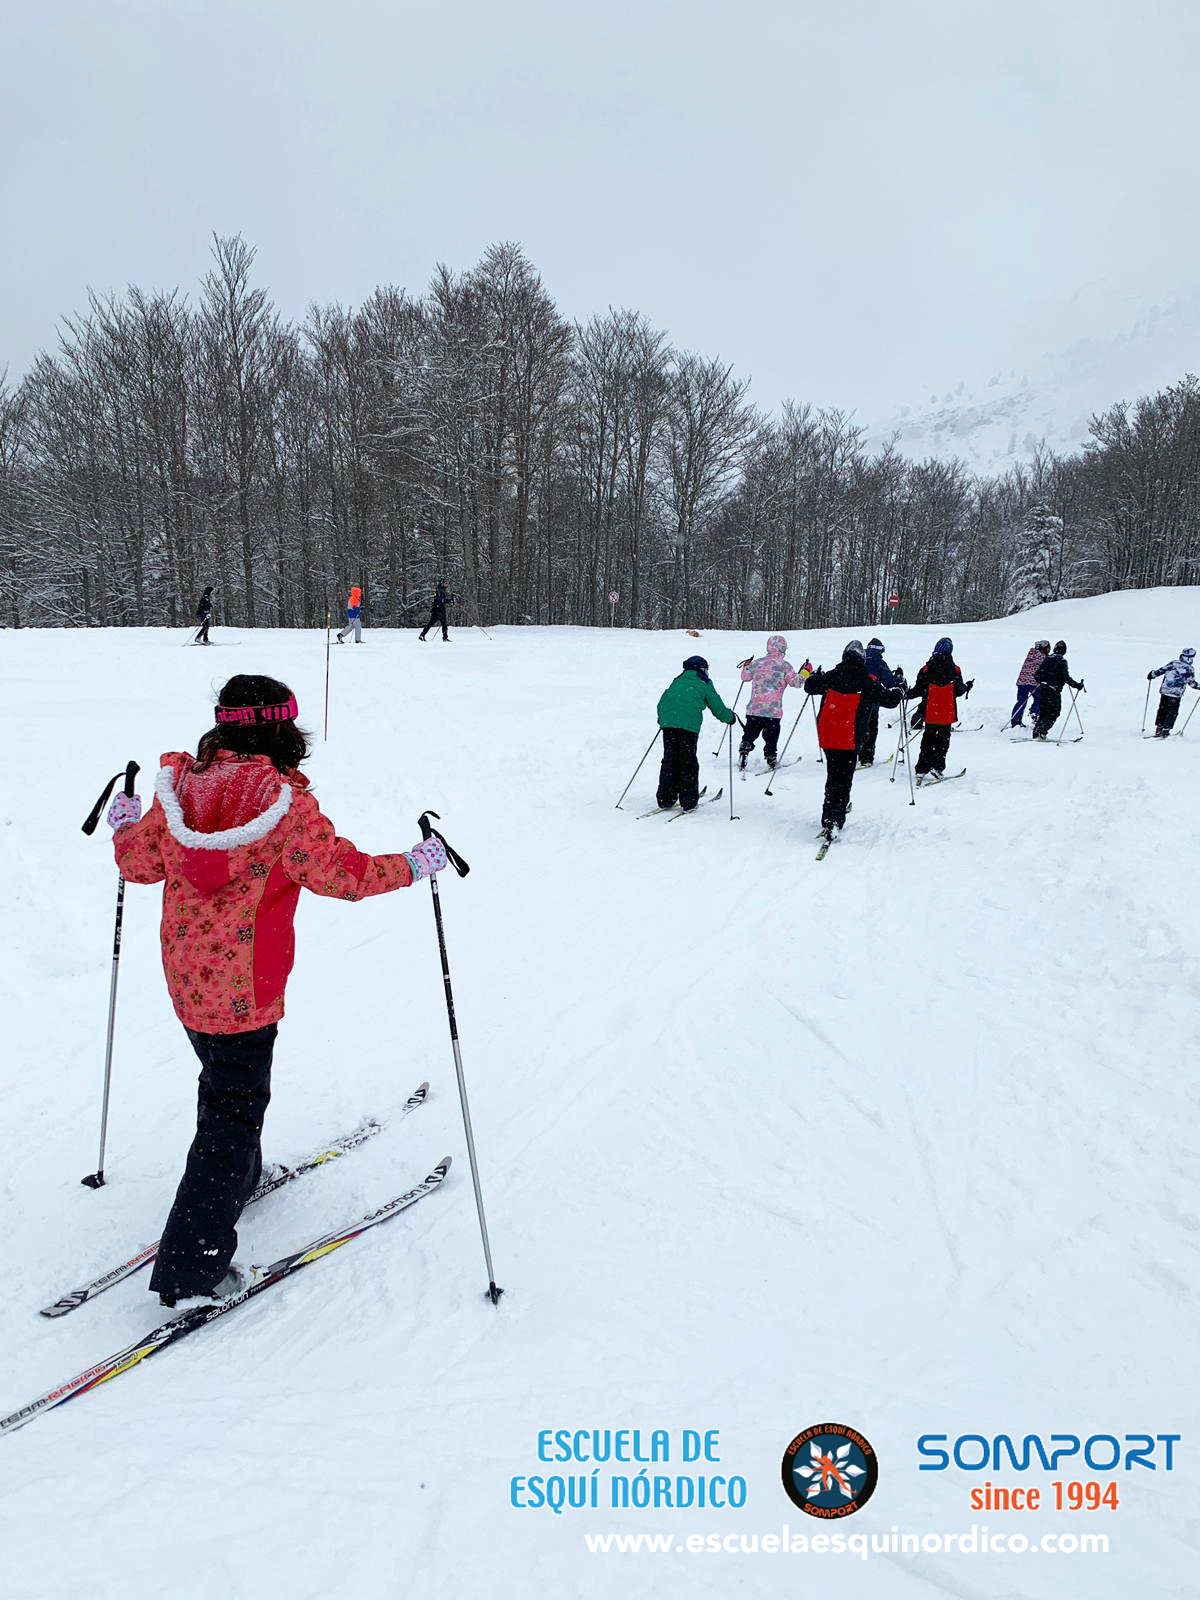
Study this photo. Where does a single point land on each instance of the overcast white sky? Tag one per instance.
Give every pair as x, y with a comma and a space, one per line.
856, 202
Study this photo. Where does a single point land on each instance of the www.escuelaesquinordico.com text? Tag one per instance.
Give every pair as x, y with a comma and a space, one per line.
978, 1540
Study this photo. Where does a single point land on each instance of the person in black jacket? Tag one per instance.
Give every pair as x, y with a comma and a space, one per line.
204, 615
848, 693
1052, 674
437, 611
938, 686
878, 668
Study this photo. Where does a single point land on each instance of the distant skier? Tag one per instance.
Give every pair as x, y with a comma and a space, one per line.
234, 835
1028, 687
1051, 676
204, 609
437, 611
770, 676
878, 668
353, 617
938, 686
1177, 676
680, 716
847, 693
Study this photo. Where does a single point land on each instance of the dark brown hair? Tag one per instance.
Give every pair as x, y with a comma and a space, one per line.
284, 742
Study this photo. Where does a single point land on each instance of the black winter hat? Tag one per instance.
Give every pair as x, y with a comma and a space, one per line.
1060, 649
854, 648
874, 644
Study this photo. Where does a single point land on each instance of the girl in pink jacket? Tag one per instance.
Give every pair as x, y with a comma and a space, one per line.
233, 836
770, 676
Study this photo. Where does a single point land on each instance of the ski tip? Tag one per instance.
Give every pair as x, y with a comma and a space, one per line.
69, 1302
443, 1166
419, 1093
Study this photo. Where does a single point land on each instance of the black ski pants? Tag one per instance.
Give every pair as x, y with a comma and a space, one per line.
223, 1165
935, 742
437, 617
679, 775
1049, 710
769, 728
839, 778
1168, 710
868, 731
202, 636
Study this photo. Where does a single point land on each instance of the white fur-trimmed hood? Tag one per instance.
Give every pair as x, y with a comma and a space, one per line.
229, 838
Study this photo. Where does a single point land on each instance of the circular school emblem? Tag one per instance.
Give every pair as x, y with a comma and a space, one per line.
830, 1470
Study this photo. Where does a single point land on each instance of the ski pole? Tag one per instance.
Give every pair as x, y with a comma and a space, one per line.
461, 867
327, 643
95, 1180
637, 769
912, 793
729, 730
784, 751
1146, 707
1067, 719
899, 742
733, 707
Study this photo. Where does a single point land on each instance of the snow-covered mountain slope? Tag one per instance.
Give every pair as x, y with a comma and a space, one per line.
1111, 347
904, 1140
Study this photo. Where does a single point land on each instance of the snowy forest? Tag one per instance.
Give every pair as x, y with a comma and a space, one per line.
539, 465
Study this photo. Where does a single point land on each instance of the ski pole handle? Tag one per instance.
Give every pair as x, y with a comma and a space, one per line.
452, 855
131, 771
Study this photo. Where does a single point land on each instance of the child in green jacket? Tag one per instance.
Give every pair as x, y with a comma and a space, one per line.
680, 716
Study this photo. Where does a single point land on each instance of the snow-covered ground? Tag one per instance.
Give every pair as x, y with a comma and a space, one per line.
904, 1140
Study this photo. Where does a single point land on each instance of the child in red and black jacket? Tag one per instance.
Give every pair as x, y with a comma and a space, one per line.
233, 836
938, 686
847, 695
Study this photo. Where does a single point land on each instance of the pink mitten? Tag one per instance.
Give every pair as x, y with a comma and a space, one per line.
426, 858
126, 808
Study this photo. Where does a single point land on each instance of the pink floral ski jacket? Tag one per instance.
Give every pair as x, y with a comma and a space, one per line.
233, 846
770, 677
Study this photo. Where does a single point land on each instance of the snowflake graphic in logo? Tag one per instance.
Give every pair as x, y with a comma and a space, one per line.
825, 1470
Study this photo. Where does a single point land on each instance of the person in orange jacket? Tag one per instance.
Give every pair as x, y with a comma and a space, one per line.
353, 617
233, 835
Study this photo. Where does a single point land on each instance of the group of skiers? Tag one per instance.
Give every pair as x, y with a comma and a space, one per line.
1041, 680
437, 614
847, 723
851, 695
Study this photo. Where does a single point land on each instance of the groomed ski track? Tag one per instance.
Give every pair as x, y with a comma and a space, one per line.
904, 1140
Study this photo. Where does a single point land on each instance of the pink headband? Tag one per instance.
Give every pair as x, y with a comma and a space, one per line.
253, 714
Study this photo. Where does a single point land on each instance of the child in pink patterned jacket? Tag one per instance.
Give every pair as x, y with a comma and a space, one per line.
233, 836
770, 676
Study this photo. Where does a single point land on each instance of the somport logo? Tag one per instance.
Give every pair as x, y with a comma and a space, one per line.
830, 1470
1100, 1452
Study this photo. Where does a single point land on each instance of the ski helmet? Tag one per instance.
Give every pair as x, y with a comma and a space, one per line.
944, 647
1060, 649
854, 648
698, 665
